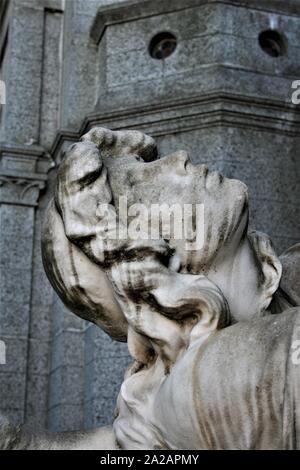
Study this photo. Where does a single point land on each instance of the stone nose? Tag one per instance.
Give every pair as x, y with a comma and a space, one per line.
179, 160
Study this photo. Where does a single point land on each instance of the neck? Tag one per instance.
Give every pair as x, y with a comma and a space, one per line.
248, 277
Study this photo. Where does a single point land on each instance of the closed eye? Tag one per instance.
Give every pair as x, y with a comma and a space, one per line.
89, 178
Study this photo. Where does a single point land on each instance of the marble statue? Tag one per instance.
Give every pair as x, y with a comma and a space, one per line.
209, 311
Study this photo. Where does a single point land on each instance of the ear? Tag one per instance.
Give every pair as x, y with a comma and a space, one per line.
269, 265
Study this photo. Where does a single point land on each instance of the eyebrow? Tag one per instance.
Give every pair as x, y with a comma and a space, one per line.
89, 177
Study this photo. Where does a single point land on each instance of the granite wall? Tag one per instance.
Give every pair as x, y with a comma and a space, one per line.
74, 64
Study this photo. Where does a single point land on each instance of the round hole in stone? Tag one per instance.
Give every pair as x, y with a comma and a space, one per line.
272, 43
162, 45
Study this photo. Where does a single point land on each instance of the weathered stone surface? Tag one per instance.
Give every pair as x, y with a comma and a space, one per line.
66, 416
219, 97
50, 113
201, 328
104, 358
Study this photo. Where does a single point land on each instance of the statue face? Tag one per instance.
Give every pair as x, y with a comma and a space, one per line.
142, 285
175, 180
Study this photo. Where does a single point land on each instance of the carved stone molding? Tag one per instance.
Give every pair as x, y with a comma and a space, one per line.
21, 191
203, 111
136, 9
23, 174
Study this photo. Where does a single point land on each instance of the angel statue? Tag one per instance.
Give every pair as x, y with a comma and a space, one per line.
209, 311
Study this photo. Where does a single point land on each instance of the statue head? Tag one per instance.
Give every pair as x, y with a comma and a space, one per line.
156, 252
107, 168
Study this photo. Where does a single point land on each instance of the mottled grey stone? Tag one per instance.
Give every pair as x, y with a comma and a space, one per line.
12, 390
80, 63
219, 96
106, 362
14, 415
65, 386
16, 355
65, 417
25, 48
68, 349
37, 400
38, 357
63, 319
39, 352
50, 119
